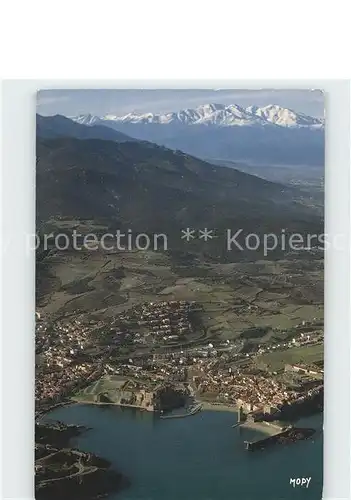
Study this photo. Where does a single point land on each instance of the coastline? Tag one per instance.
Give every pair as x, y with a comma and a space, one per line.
263, 427
110, 403
206, 405
41, 412
88, 476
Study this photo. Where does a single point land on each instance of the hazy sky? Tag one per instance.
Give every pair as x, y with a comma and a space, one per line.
120, 102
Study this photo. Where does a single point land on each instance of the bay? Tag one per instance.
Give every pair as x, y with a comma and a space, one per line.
200, 457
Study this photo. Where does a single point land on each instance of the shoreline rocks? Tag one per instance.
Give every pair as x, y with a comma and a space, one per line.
64, 472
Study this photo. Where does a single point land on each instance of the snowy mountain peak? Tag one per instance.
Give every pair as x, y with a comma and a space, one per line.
284, 116
86, 119
213, 114
211, 107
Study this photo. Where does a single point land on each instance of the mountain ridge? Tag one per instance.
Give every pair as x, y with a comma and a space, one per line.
256, 135
213, 114
56, 126
151, 189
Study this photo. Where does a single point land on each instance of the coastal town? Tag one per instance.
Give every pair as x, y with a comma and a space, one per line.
149, 345
166, 359
179, 324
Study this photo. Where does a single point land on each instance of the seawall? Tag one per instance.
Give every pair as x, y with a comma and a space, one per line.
289, 435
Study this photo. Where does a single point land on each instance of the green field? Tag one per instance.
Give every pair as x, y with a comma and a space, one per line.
108, 384
277, 360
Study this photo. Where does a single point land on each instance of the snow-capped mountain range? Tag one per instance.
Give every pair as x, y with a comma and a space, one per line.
220, 115
270, 134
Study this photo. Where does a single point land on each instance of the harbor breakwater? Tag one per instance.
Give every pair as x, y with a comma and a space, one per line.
285, 436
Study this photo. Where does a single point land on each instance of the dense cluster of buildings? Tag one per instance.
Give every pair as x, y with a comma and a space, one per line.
54, 384
64, 348
206, 369
166, 320
61, 362
70, 354
253, 392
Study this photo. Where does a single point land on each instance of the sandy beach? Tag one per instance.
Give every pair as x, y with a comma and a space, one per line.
263, 427
218, 406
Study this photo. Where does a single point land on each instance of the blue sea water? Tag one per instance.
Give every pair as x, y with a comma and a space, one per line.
200, 457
